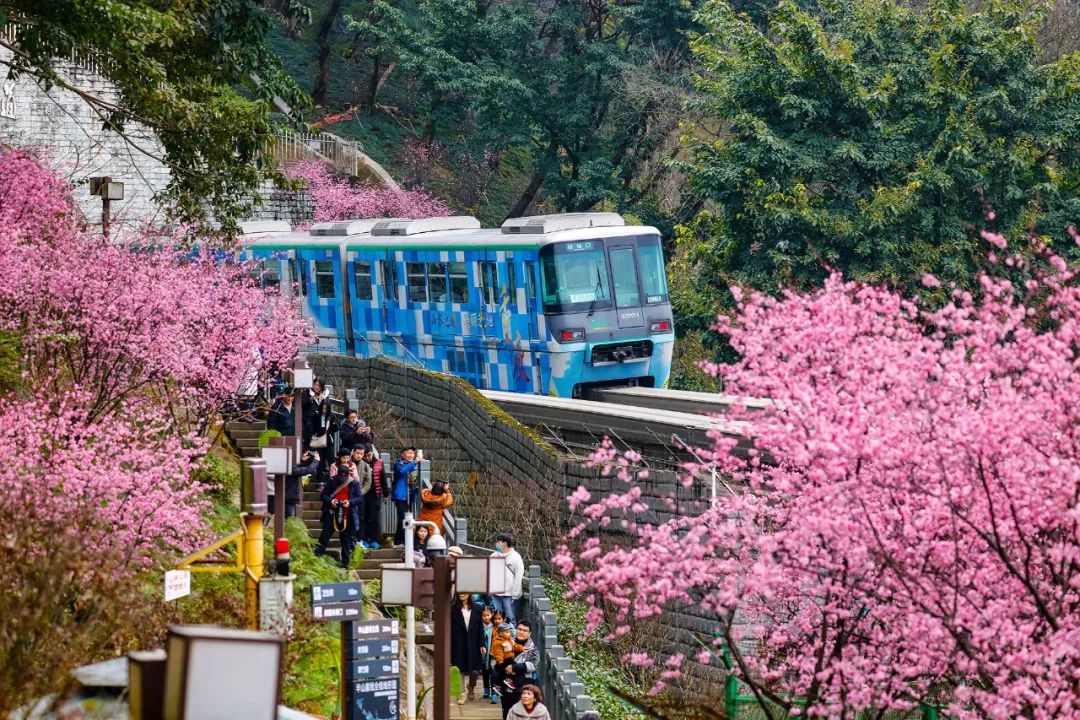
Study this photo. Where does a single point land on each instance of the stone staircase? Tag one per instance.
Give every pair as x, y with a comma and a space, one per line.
245, 440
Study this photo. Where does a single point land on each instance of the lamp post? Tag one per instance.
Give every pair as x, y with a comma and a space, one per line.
108, 191
303, 378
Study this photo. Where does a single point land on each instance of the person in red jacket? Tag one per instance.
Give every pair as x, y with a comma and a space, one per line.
373, 500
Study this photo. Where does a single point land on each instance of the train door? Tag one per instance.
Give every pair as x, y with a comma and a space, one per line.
390, 306
530, 307
624, 279
537, 334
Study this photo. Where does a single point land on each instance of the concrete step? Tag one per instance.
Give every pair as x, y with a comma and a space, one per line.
366, 574
250, 452
245, 434
236, 426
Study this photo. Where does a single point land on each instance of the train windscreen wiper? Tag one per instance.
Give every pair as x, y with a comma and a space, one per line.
598, 292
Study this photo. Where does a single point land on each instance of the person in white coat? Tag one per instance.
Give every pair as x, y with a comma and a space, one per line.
515, 575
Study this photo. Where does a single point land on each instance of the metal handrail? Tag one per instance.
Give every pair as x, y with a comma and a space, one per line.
289, 147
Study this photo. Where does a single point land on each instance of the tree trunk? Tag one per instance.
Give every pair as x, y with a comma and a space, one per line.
537, 180
322, 81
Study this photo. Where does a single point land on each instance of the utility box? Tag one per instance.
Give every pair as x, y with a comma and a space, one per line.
276, 605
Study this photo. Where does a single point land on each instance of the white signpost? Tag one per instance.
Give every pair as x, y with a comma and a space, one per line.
177, 584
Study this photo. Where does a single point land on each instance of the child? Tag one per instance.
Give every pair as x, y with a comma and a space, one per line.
489, 630
502, 656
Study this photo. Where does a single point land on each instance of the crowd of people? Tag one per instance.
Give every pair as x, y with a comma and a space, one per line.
490, 643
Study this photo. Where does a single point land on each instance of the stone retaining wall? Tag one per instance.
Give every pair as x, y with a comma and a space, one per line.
473, 442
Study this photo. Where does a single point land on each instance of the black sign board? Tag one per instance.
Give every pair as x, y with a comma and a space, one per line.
372, 669
373, 648
336, 593
375, 629
372, 699
337, 611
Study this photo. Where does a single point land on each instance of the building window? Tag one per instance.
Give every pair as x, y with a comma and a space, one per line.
362, 278
324, 278
459, 283
416, 279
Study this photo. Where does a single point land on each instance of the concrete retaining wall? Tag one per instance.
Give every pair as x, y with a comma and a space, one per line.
512, 471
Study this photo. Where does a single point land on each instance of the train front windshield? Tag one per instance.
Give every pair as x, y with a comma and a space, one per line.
576, 275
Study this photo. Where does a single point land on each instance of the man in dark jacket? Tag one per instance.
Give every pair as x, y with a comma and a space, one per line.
373, 499
309, 463
350, 431
341, 499
401, 489
282, 417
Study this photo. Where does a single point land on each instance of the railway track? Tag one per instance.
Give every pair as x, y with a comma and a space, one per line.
665, 422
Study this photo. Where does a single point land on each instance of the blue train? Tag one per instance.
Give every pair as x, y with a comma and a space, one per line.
554, 304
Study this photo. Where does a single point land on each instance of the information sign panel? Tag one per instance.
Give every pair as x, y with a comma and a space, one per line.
372, 669
337, 611
177, 584
373, 699
373, 648
336, 593
375, 629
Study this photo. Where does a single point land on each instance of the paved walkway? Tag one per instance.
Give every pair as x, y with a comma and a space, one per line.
475, 710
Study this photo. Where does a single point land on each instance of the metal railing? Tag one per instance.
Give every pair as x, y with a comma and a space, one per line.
291, 147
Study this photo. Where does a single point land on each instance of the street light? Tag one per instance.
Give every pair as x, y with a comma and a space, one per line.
483, 575
303, 376
221, 673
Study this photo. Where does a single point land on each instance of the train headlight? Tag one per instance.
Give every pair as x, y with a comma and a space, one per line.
660, 326
571, 335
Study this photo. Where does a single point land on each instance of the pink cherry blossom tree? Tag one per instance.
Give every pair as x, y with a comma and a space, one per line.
907, 527
126, 350
336, 199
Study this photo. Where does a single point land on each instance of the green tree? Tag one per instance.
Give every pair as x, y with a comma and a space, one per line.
877, 138
198, 74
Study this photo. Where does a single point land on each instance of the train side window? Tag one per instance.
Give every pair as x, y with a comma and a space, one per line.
416, 279
389, 276
324, 278
530, 280
362, 278
298, 276
511, 282
459, 283
489, 280
437, 282
267, 273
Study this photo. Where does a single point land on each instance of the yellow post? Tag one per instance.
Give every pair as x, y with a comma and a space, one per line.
252, 553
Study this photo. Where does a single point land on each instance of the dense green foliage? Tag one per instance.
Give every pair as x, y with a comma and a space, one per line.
877, 137
200, 75
565, 105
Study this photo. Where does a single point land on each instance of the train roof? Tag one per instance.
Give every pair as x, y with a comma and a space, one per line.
450, 239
